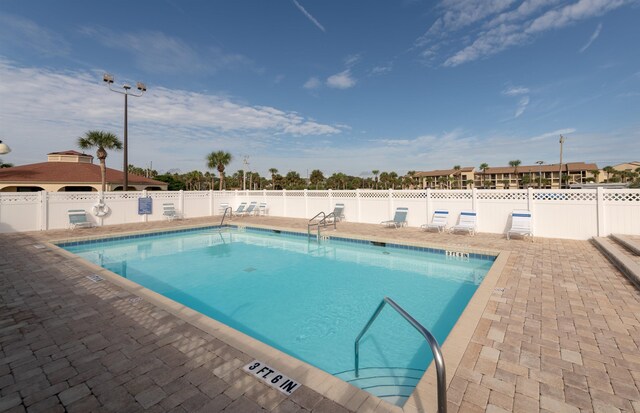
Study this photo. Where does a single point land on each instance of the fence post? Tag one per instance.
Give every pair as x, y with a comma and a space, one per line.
358, 206
44, 210
211, 209
429, 213
330, 198
306, 204
284, 202
530, 206
391, 202
474, 199
145, 217
181, 202
601, 230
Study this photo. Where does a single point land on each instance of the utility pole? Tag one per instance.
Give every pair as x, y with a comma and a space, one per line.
560, 174
244, 173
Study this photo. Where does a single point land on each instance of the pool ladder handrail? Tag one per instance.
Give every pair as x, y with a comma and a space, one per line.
320, 223
225, 214
433, 343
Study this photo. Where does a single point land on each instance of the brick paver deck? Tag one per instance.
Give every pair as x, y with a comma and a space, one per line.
560, 334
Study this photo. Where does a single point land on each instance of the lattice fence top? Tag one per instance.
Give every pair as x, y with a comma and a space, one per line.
19, 198
451, 195
122, 196
275, 193
565, 196
318, 194
626, 196
196, 195
343, 194
73, 196
295, 194
500, 195
409, 195
374, 194
164, 195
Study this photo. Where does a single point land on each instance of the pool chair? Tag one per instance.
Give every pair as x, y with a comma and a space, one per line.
520, 224
399, 219
439, 221
223, 207
169, 211
249, 211
240, 209
78, 219
467, 222
262, 209
337, 214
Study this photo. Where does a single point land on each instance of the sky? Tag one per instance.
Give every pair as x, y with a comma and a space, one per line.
340, 86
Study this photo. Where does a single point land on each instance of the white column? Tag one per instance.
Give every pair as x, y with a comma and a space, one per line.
429, 207
44, 207
211, 206
284, 202
330, 199
358, 206
474, 199
145, 217
181, 202
391, 203
306, 205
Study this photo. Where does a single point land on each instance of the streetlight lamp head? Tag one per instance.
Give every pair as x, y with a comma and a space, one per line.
107, 78
141, 87
4, 148
539, 162
126, 86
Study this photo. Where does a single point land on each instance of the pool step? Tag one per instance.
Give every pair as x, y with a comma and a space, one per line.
393, 385
617, 250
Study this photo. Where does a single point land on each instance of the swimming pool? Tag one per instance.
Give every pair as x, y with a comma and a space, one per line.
307, 299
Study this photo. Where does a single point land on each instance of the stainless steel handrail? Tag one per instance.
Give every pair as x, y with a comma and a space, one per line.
225, 214
433, 343
310, 223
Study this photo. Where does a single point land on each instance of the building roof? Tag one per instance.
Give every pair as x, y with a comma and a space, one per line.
566, 167
67, 172
443, 172
70, 152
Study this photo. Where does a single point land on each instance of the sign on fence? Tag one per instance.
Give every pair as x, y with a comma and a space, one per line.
145, 205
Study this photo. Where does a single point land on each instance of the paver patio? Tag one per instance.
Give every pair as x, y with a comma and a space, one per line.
560, 334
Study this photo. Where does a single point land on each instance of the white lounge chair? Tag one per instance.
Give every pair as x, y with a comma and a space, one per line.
439, 221
249, 211
467, 222
520, 224
240, 209
262, 208
337, 214
169, 211
399, 219
223, 207
78, 219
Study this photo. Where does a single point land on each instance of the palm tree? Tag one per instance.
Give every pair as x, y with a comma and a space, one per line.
515, 165
273, 172
484, 166
375, 172
596, 174
316, 177
608, 170
103, 141
219, 160
457, 169
505, 183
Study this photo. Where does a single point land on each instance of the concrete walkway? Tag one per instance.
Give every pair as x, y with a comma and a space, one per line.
560, 334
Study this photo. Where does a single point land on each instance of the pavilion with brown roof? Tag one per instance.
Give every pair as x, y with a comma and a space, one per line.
69, 171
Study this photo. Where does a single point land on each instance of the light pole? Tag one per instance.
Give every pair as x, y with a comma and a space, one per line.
560, 173
4, 148
244, 173
539, 173
126, 91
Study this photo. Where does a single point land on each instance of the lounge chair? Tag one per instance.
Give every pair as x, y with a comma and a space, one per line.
520, 224
337, 214
169, 211
467, 222
249, 211
240, 209
78, 219
262, 208
223, 207
399, 219
439, 221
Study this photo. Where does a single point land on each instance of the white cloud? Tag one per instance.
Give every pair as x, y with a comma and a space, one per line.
312, 83
593, 37
309, 16
18, 32
352, 60
515, 91
44, 111
554, 134
156, 52
382, 69
342, 80
522, 105
500, 26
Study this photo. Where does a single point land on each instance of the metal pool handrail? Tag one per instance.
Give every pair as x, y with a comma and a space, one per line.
433, 343
225, 213
322, 222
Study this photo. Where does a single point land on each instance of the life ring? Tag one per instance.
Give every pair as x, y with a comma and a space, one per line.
101, 209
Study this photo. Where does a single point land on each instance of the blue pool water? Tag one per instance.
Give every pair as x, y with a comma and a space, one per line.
306, 298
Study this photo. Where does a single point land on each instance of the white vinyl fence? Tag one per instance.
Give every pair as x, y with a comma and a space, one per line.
567, 213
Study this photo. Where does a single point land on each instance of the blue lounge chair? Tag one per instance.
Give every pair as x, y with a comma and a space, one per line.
439, 221
467, 222
78, 219
520, 224
399, 219
169, 211
249, 211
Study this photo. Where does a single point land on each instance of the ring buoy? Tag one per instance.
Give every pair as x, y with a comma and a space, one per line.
101, 209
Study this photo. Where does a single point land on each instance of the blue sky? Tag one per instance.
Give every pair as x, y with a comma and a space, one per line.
346, 86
